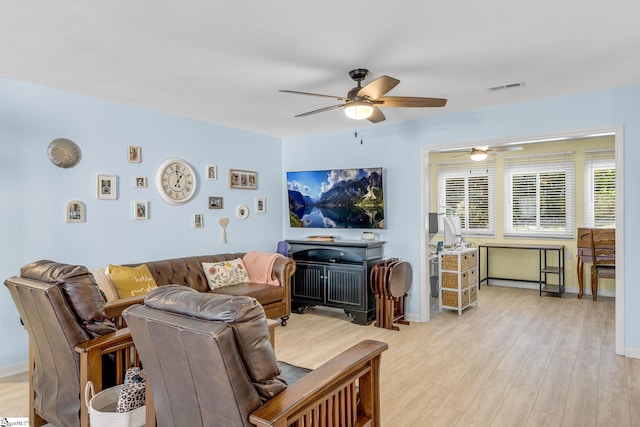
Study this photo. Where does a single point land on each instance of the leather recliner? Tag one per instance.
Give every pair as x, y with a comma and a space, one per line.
64, 314
209, 363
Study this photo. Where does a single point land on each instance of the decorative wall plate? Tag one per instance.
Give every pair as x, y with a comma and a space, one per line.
63, 153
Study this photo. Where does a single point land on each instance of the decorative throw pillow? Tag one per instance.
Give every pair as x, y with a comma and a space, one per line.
133, 392
101, 276
132, 281
225, 273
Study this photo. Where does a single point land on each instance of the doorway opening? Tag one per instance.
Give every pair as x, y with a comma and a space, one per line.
558, 138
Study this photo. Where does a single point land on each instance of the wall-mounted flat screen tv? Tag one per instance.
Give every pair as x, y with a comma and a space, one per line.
336, 198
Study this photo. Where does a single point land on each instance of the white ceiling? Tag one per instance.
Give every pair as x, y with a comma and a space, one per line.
224, 62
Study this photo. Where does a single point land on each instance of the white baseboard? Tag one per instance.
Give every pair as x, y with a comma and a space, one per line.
536, 286
16, 368
632, 353
413, 317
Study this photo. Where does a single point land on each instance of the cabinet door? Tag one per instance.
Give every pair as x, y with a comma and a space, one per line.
308, 283
346, 286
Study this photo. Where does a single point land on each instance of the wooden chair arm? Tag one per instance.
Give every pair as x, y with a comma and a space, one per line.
331, 387
116, 307
271, 324
108, 343
119, 342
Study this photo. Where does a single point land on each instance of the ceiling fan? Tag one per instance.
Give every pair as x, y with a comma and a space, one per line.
364, 102
481, 153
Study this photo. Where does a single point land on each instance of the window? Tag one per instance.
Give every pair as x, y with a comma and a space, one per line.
539, 199
600, 189
469, 192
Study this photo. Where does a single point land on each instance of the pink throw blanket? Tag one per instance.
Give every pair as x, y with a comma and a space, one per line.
259, 266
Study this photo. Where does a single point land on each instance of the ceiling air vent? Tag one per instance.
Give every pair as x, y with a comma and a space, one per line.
506, 86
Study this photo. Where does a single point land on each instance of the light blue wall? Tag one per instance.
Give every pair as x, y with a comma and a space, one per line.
35, 192
396, 147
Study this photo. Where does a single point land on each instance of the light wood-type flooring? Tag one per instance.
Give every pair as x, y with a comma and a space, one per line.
516, 360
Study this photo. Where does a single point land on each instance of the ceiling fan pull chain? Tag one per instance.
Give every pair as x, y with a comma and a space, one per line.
355, 135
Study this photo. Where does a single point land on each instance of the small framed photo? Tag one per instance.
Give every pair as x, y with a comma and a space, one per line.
244, 180
198, 221
261, 205
215, 202
140, 210
140, 182
242, 211
107, 187
134, 153
212, 172
75, 211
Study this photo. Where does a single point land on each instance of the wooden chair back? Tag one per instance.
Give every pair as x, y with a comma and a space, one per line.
584, 239
603, 249
603, 246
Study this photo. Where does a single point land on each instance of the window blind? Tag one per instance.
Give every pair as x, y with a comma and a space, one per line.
467, 189
600, 189
540, 196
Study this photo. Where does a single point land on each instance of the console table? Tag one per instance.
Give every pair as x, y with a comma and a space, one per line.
543, 268
335, 274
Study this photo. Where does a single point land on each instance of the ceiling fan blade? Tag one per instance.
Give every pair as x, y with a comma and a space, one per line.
376, 116
339, 98
411, 101
378, 87
511, 148
333, 107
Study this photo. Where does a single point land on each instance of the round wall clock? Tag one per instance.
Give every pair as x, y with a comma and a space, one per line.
175, 181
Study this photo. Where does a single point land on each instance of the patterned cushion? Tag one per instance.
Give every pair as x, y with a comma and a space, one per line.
225, 273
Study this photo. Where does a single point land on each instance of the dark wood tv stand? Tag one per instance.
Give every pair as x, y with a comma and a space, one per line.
335, 274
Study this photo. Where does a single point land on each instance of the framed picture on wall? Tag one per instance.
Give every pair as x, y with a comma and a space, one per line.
140, 210
198, 221
244, 180
134, 153
215, 202
75, 211
212, 172
107, 187
261, 205
140, 181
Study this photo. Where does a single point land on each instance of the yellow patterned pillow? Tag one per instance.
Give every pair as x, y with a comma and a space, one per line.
225, 273
132, 281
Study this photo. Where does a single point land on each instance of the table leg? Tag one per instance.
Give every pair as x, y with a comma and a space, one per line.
486, 264
580, 277
479, 267
540, 269
560, 273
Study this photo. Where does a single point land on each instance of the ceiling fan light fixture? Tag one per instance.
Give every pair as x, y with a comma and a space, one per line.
358, 110
478, 155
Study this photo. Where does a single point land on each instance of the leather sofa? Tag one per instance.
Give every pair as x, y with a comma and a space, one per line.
276, 300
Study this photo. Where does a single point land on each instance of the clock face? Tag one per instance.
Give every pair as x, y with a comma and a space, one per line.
176, 181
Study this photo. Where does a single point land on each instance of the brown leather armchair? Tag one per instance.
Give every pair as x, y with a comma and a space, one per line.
209, 363
72, 340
